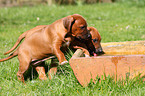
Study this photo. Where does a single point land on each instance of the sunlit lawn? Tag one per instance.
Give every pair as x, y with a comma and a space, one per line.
115, 22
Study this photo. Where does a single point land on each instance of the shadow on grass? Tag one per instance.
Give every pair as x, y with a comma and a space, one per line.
31, 73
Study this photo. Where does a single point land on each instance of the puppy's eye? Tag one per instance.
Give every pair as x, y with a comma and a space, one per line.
95, 40
82, 27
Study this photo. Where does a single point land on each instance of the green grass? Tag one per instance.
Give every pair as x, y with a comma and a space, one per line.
111, 20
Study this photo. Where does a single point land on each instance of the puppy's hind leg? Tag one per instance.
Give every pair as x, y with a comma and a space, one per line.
24, 60
41, 71
53, 68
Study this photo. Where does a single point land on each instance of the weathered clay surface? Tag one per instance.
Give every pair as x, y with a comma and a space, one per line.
118, 66
124, 48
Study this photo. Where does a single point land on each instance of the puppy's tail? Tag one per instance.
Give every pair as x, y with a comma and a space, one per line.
21, 37
10, 56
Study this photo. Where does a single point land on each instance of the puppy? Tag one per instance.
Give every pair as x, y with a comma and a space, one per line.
96, 40
48, 40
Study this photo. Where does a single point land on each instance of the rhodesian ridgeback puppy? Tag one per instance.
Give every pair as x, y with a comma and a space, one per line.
48, 41
96, 39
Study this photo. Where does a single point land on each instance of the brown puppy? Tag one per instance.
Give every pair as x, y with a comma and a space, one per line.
96, 39
48, 40
75, 44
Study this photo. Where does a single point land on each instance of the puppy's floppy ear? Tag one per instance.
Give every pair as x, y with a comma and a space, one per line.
68, 22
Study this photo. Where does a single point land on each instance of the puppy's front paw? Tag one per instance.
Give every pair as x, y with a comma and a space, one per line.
64, 62
87, 55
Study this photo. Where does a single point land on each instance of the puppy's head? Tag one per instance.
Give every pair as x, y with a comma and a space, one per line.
76, 25
96, 39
